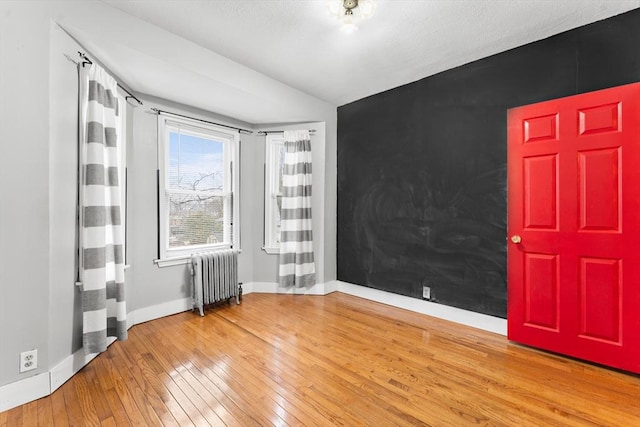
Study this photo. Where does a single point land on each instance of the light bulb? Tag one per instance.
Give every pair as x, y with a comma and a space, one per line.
349, 28
351, 14
335, 8
348, 24
366, 8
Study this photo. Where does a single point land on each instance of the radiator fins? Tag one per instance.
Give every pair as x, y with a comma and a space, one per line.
214, 278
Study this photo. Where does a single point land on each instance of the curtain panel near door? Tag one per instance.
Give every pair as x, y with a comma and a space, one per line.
297, 267
101, 229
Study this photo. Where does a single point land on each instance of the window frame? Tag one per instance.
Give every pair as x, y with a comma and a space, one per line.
121, 129
274, 142
230, 139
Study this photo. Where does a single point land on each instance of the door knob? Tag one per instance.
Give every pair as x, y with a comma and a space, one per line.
516, 239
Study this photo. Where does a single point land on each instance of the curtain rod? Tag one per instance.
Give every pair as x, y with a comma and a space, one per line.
267, 132
158, 111
87, 61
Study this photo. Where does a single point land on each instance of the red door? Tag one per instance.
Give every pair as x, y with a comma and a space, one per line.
574, 226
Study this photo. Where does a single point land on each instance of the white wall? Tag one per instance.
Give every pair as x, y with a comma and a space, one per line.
24, 185
64, 297
38, 305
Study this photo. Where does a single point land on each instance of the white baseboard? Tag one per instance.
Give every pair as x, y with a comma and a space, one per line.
24, 391
465, 317
64, 370
275, 288
247, 287
332, 286
146, 314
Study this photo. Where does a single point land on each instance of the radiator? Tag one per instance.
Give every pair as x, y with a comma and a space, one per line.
214, 278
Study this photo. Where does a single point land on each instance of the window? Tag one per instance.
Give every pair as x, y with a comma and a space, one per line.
274, 158
198, 181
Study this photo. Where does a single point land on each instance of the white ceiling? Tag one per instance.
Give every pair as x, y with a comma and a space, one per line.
297, 43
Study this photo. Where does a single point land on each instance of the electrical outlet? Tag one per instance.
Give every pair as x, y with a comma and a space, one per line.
28, 360
426, 292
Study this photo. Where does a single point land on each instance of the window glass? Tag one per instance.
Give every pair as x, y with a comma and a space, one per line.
273, 191
197, 203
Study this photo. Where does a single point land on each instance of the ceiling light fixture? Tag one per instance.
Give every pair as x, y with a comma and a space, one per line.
351, 12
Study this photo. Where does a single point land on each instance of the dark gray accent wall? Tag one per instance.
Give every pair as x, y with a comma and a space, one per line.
422, 168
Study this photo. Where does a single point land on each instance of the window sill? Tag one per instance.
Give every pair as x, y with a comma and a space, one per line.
271, 251
179, 260
170, 262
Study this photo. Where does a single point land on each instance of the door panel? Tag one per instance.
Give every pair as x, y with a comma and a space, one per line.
540, 210
541, 291
574, 205
543, 128
599, 180
601, 118
600, 299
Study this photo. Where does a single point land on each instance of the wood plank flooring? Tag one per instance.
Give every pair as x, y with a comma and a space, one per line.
283, 360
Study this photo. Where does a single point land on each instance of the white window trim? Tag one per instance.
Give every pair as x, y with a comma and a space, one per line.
122, 170
273, 143
231, 137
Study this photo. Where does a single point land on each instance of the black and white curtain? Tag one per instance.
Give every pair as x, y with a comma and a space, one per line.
101, 233
297, 267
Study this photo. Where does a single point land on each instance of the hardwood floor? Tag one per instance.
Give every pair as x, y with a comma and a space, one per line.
333, 360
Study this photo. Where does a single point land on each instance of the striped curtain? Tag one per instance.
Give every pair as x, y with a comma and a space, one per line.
297, 267
101, 234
